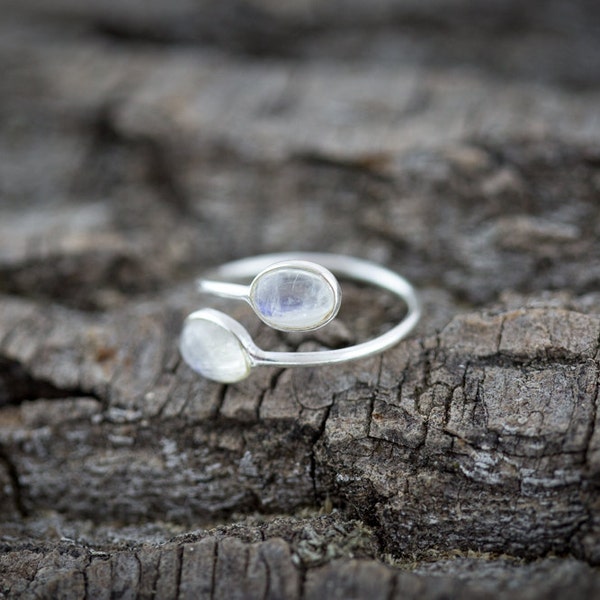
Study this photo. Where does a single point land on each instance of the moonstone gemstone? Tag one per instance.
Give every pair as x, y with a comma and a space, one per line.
213, 351
290, 298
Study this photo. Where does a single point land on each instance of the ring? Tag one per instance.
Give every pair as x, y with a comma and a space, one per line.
288, 292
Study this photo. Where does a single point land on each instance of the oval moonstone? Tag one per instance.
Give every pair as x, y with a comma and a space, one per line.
293, 298
213, 351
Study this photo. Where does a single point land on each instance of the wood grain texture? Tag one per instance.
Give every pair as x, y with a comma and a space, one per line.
446, 140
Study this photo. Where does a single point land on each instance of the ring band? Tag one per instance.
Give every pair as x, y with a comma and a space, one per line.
219, 348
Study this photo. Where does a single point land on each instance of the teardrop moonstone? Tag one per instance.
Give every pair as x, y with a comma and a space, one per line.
213, 351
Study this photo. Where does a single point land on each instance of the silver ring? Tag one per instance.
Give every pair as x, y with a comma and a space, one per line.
289, 292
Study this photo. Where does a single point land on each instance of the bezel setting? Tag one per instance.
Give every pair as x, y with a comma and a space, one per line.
304, 270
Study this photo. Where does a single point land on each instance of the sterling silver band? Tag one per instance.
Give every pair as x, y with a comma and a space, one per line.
221, 281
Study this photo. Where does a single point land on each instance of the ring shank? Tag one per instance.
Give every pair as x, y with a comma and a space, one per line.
346, 266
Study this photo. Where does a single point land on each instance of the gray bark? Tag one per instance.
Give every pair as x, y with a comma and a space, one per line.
141, 145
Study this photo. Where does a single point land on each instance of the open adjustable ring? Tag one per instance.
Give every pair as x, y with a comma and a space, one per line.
289, 292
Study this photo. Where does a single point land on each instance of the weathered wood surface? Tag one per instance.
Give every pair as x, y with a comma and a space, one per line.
447, 141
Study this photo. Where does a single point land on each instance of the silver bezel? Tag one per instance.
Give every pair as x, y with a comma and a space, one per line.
238, 331
305, 266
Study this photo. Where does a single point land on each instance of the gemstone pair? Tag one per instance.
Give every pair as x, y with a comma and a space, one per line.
288, 296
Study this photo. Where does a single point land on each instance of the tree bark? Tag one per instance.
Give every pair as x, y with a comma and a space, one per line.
140, 146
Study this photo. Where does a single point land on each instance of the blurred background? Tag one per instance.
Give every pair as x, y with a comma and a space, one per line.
455, 141
143, 140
